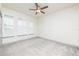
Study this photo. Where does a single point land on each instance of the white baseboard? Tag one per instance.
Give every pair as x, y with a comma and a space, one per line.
60, 42
16, 38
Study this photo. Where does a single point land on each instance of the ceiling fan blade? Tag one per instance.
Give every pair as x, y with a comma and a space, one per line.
36, 4
42, 12
36, 13
32, 9
44, 7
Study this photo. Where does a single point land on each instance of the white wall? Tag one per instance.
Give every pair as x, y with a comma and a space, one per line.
61, 26
27, 19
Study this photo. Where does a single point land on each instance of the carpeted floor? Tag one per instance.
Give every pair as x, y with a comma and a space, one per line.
38, 47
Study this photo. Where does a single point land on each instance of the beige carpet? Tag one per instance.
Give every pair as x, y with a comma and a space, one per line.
38, 47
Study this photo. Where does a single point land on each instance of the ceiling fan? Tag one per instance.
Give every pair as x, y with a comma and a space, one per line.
39, 9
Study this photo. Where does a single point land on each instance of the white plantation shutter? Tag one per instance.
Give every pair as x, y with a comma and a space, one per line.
16, 25
8, 25
21, 27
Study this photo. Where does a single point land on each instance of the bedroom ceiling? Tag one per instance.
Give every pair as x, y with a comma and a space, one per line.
24, 7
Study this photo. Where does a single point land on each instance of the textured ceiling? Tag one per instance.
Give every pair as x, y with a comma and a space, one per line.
24, 7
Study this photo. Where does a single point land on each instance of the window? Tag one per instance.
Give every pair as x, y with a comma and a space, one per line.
8, 25
13, 26
24, 27
21, 27
30, 27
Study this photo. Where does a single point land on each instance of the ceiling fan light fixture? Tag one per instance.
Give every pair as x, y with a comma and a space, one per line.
38, 10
